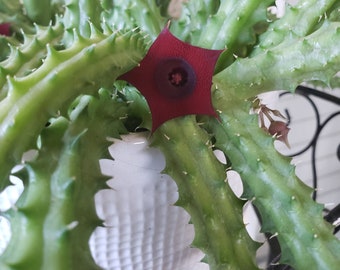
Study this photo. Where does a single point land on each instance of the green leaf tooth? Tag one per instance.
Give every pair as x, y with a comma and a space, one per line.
106, 153
102, 180
77, 37
15, 89
95, 32
51, 52
107, 29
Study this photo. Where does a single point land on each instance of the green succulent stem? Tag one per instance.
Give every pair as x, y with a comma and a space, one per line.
28, 215
315, 57
283, 200
38, 11
89, 64
55, 216
78, 14
204, 192
299, 21
224, 28
28, 56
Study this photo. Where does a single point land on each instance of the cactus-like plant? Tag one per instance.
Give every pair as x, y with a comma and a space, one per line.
59, 95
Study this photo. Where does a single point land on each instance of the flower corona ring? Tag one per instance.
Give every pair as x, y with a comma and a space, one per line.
175, 78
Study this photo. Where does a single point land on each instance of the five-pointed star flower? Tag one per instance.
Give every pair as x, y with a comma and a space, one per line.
175, 78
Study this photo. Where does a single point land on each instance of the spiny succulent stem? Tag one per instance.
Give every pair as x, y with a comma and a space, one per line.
215, 211
284, 202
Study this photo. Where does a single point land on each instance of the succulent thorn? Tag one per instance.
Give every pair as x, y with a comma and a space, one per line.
166, 137
72, 225
274, 235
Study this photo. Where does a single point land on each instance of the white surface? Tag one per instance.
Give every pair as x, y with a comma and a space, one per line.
145, 230
303, 126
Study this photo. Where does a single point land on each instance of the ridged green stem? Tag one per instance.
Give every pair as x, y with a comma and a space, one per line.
27, 216
54, 218
315, 57
298, 21
28, 56
284, 202
144, 14
224, 28
14, 13
215, 211
228, 25
88, 64
39, 11
78, 14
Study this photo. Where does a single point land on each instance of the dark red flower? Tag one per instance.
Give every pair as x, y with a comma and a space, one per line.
5, 29
175, 78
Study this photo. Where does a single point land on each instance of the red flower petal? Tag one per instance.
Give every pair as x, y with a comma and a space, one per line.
175, 78
5, 29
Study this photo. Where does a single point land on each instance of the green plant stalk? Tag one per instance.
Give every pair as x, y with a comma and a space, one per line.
78, 14
144, 14
38, 11
283, 201
56, 213
13, 12
298, 21
224, 28
75, 182
89, 63
28, 214
229, 25
28, 56
315, 57
214, 209
188, 27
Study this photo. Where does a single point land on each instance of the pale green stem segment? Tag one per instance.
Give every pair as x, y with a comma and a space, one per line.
88, 64
299, 21
283, 201
39, 11
203, 191
28, 56
315, 57
78, 14
144, 15
55, 216
27, 216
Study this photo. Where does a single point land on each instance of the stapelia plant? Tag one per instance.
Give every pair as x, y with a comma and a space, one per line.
60, 96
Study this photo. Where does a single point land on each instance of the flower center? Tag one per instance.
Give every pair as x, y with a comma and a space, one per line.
178, 77
175, 77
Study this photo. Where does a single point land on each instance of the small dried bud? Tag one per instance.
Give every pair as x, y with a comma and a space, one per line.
280, 130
